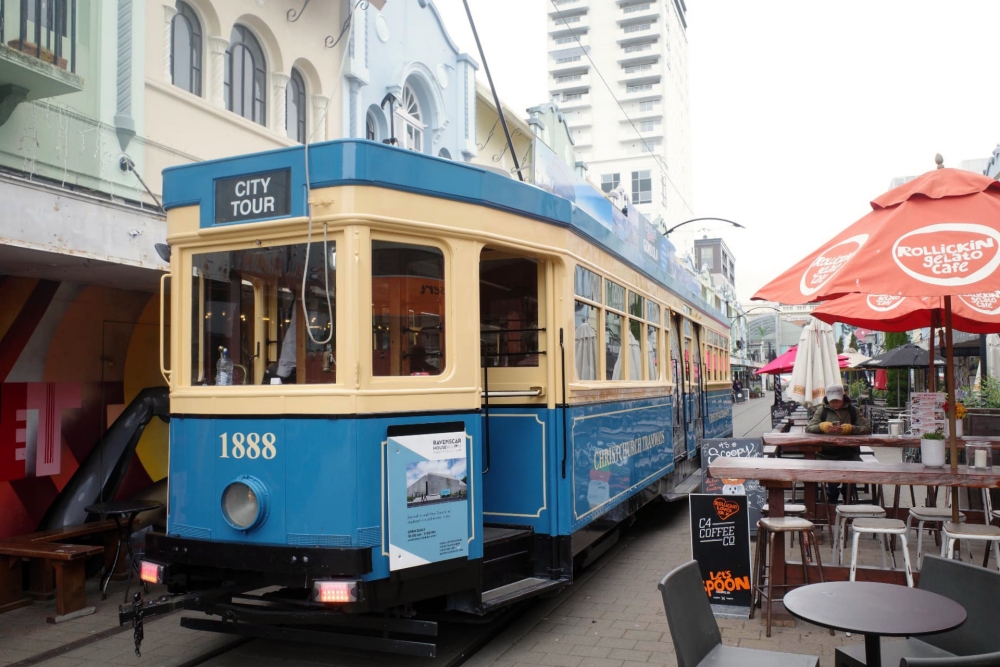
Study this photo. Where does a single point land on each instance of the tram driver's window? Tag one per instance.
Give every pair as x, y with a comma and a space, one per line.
508, 311
247, 307
407, 309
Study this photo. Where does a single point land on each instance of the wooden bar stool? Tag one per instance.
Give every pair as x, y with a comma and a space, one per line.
883, 528
922, 515
952, 532
847, 514
768, 528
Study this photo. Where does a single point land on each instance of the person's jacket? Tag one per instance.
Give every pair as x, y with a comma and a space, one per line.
848, 414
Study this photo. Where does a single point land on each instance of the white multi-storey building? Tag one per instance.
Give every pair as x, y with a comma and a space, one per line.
640, 49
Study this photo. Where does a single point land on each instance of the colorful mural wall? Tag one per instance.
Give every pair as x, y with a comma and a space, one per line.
71, 358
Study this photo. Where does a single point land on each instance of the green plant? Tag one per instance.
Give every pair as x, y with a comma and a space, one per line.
933, 435
858, 388
988, 395
854, 342
880, 393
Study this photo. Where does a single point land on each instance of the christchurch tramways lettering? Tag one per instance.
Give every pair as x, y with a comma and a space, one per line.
618, 454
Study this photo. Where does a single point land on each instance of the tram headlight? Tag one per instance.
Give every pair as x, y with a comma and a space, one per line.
244, 503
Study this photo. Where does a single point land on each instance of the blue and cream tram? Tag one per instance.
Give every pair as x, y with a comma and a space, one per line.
409, 381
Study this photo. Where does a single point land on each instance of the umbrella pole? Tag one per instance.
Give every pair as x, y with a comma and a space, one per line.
950, 384
933, 371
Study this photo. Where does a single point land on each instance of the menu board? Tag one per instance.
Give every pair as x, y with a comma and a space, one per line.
751, 488
720, 542
927, 412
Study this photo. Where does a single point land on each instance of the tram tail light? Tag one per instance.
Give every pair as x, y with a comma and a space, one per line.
153, 573
335, 592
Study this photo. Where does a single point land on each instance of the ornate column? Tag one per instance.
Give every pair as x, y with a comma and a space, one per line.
319, 119
215, 90
169, 12
279, 87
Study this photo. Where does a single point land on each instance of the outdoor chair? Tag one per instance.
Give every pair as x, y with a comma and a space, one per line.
977, 590
696, 635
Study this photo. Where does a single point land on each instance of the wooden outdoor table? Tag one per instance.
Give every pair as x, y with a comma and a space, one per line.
827, 440
777, 474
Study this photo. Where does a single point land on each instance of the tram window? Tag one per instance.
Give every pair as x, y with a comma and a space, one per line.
586, 341
587, 284
614, 296
653, 312
634, 350
508, 311
652, 353
248, 302
612, 346
635, 305
407, 309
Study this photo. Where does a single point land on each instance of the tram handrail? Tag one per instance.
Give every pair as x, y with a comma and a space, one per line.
163, 368
508, 393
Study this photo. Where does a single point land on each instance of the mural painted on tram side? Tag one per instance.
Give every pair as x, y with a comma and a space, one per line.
618, 449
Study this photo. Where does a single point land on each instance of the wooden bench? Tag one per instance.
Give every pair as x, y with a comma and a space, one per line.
68, 561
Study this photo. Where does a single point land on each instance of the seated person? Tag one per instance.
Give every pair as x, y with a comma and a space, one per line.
838, 416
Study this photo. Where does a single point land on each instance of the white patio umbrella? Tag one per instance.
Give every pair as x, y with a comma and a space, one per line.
854, 359
816, 365
634, 361
992, 356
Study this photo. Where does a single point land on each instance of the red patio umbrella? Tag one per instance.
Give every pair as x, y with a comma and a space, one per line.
881, 379
975, 313
786, 362
935, 236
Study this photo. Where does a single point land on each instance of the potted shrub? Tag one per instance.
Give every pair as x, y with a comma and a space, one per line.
932, 449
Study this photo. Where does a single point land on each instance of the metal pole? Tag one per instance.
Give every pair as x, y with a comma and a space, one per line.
933, 370
496, 100
950, 383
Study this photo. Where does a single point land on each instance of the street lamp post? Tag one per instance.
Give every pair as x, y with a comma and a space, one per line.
734, 224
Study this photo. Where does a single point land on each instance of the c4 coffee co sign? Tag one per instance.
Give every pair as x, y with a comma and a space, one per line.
254, 197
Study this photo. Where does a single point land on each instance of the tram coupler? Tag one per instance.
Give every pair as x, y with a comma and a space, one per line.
143, 609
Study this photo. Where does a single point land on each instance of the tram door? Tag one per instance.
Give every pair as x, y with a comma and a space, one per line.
514, 344
677, 374
696, 396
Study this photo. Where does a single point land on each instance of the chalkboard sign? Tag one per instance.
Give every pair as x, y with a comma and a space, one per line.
741, 396
745, 447
779, 413
720, 542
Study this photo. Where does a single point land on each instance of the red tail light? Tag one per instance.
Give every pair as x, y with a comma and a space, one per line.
152, 573
335, 592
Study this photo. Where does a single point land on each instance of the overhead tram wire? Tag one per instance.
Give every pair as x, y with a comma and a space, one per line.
649, 149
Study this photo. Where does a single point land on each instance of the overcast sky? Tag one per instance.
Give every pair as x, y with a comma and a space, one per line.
801, 112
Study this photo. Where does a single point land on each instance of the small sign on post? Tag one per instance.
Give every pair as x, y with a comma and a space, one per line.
720, 542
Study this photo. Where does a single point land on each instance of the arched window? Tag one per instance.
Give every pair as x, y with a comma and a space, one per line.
295, 107
371, 129
444, 153
246, 76
185, 49
412, 118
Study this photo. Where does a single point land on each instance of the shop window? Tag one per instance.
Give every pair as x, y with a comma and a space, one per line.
295, 107
408, 309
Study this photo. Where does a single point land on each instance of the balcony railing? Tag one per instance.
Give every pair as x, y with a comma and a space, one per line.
44, 29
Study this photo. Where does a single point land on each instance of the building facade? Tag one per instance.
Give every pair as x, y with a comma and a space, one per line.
640, 49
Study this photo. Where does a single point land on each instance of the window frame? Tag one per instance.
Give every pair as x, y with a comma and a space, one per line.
637, 182
186, 13
296, 87
243, 38
414, 127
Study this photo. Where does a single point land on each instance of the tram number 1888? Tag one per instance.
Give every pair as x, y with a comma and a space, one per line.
251, 445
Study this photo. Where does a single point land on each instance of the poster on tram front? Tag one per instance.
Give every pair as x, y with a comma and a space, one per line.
428, 494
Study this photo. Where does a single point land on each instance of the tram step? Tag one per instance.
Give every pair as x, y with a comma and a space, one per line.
508, 555
520, 590
689, 485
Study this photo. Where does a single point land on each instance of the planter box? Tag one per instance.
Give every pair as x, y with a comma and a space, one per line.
982, 421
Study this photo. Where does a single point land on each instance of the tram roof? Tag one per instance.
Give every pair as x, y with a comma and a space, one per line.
363, 162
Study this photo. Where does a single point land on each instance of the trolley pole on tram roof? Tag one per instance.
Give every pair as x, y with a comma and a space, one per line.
496, 100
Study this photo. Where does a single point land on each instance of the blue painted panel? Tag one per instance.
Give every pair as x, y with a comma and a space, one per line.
693, 427
517, 489
719, 414
191, 467
322, 492
617, 449
270, 472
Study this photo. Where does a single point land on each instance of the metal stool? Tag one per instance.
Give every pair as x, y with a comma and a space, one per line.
768, 528
924, 515
883, 528
845, 514
952, 532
